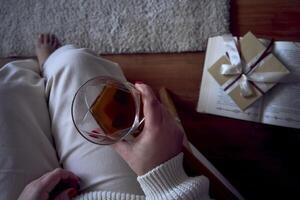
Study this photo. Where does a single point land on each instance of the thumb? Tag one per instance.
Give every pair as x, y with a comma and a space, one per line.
123, 148
151, 105
67, 194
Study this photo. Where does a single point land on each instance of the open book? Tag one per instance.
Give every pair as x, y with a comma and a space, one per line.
279, 106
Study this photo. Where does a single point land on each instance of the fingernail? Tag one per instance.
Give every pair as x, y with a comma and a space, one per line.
95, 131
93, 135
72, 193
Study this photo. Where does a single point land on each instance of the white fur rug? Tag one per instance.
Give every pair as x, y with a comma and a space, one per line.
113, 26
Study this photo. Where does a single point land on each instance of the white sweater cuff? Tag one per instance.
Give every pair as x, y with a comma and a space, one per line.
169, 181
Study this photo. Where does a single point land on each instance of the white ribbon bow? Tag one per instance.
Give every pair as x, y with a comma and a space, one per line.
237, 67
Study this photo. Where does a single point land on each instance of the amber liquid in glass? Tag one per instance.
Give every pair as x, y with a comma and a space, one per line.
113, 109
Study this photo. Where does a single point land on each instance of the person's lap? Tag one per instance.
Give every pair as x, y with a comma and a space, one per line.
26, 145
99, 167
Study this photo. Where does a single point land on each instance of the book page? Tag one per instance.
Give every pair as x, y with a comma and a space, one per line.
212, 97
282, 103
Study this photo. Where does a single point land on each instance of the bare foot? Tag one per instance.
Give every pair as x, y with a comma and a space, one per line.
46, 44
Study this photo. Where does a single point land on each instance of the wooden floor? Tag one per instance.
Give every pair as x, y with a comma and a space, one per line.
261, 161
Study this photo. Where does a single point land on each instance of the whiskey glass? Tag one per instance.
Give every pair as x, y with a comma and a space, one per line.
105, 110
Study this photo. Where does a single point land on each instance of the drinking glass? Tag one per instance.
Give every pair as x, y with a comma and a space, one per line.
106, 110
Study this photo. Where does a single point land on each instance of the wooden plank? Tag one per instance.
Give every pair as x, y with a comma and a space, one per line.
273, 18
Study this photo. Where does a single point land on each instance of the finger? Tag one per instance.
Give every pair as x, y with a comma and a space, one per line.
123, 148
67, 194
152, 109
51, 179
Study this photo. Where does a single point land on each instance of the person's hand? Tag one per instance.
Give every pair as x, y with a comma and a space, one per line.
49, 185
160, 140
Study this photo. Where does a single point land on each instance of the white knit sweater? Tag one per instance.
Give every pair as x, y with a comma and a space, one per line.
166, 181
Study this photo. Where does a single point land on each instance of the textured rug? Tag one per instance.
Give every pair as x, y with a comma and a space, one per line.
113, 26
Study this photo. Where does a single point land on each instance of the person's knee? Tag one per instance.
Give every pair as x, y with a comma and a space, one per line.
67, 58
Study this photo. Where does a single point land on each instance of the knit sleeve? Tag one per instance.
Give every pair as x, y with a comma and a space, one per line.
169, 181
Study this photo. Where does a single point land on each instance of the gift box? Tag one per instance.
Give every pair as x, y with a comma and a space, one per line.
247, 70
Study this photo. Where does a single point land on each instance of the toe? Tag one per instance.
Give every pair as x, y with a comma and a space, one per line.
56, 42
50, 39
43, 38
53, 40
47, 39
39, 40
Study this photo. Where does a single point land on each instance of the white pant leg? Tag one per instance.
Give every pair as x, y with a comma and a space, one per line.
99, 167
26, 145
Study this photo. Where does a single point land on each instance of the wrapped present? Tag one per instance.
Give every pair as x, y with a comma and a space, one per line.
248, 69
